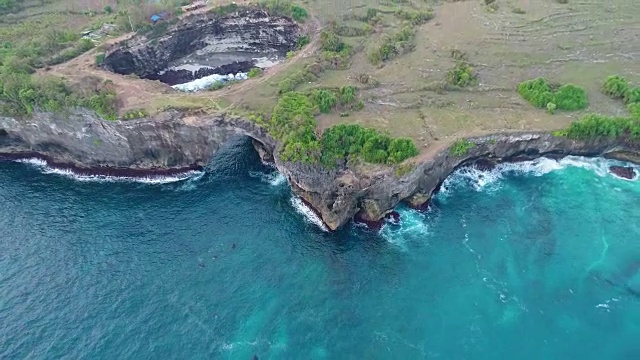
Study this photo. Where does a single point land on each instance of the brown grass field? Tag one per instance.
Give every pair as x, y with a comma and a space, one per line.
581, 42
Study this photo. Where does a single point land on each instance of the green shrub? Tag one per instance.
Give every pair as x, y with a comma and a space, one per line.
461, 147
302, 41
392, 46
632, 96
413, 16
254, 72
461, 75
347, 95
351, 140
108, 9
567, 97
594, 125
634, 109
216, 85
331, 42
99, 59
537, 92
615, 87
570, 97
135, 114
285, 8
324, 99
298, 13
551, 108
226, 9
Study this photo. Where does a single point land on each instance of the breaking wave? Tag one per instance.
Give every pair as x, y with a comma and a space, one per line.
309, 215
490, 180
44, 167
274, 178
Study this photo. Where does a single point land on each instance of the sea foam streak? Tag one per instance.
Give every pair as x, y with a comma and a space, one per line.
308, 214
488, 180
412, 226
274, 178
43, 166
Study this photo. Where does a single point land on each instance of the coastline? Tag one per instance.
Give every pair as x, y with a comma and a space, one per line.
175, 143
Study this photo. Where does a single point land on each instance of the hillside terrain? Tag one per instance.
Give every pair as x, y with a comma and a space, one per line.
405, 91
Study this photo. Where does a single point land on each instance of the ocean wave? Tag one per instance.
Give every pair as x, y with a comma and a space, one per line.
206, 81
274, 178
490, 180
412, 227
309, 215
44, 167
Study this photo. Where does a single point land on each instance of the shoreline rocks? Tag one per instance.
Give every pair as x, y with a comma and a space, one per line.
625, 172
173, 142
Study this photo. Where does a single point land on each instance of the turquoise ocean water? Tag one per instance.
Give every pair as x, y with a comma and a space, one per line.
539, 260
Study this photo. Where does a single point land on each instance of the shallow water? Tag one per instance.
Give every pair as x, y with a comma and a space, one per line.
534, 261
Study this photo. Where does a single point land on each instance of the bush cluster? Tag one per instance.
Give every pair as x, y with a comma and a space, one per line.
461, 147
539, 93
20, 95
293, 122
335, 52
254, 72
616, 87
415, 17
302, 41
351, 140
461, 75
135, 114
391, 46
595, 125
285, 8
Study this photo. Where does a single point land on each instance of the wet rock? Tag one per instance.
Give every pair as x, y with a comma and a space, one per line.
625, 172
419, 201
371, 224
393, 217
232, 41
484, 164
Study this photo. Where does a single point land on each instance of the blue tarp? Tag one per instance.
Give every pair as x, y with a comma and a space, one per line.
155, 18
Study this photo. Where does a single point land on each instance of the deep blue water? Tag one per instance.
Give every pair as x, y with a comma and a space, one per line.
538, 261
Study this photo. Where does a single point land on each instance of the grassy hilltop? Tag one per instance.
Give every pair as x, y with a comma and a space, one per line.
430, 71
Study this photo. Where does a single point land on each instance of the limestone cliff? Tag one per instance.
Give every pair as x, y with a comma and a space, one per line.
173, 141
247, 31
170, 141
370, 192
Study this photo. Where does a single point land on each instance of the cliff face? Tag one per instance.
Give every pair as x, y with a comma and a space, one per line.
173, 142
170, 141
248, 31
369, 193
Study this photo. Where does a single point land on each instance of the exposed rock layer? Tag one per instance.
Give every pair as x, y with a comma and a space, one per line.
248, 30
175, 141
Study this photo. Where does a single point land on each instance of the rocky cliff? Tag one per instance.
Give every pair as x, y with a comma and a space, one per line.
370, 192
173, 141
247, 30
170, 142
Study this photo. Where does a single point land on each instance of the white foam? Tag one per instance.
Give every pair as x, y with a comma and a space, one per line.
412, 227
204, 82
274, 178
489, 180
43, 166
308, 214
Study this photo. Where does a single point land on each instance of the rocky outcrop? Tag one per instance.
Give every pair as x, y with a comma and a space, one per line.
173, 141
625, 172
170, 142
248, 30
371, 192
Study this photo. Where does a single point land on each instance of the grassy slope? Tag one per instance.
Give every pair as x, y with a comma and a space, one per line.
581, 42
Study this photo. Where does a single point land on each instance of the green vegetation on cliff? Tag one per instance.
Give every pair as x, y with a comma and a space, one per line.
461, 147
539, 93
293, 122
595, 125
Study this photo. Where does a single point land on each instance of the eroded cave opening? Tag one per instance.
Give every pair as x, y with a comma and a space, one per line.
202, 49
